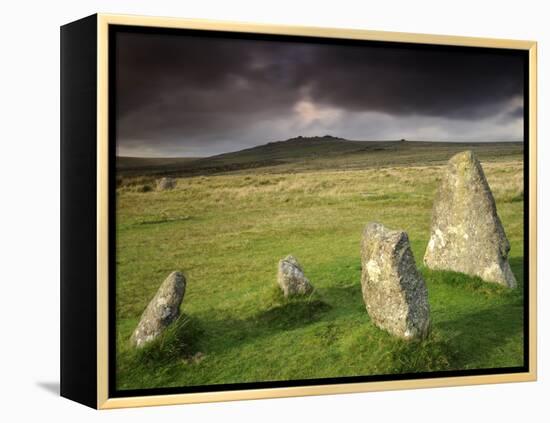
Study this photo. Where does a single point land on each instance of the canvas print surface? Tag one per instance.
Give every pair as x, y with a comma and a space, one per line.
297, 211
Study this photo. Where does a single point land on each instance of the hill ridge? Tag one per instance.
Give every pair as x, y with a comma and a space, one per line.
325, 152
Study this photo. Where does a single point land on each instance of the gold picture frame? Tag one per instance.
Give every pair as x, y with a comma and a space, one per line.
100, 360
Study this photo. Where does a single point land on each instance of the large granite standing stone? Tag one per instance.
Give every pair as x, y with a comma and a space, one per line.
291, 278
166, 183
393, 290
466, 234
163, 309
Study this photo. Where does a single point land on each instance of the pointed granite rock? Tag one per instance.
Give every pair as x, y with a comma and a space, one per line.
163, 309
467, 235
394, 291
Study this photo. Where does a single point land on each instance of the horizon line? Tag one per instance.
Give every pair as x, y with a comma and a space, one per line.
319, 136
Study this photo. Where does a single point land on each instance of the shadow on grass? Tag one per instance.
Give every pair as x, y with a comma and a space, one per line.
161, 219
281, 314
181, 340
458, 344
348, 298
290, 315
476, 337
517, 263
188, 336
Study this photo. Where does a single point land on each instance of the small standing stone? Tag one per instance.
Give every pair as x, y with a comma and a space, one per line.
291, 278
467, 235
161, 311
166, 183
394, 291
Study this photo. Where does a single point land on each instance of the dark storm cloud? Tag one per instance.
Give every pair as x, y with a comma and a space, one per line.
425, 82
184, 95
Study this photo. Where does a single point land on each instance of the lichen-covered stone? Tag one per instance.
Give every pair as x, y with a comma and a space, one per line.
394, 291
166, 183
291, 278
466, 233
163, 309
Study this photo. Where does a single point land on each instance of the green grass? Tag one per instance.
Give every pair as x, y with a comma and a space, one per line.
227, 232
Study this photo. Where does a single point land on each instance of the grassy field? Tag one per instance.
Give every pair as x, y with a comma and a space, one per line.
227, 231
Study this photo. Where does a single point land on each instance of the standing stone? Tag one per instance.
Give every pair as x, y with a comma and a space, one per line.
291, 278
163, 309
166, 183
393, 289
466, 234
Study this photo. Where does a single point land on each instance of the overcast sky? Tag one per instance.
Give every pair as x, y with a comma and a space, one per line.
181, 95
